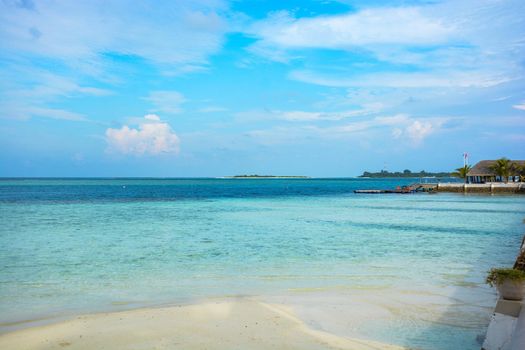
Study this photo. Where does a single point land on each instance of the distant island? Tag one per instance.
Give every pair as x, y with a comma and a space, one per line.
255, 176
405, 173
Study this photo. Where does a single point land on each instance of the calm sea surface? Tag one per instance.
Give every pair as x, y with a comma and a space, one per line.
69, 246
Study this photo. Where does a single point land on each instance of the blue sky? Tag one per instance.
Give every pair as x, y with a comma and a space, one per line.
212, 88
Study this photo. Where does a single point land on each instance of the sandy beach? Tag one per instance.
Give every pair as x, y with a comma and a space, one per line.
229, 323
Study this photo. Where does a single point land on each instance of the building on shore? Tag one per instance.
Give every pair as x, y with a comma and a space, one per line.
483, 172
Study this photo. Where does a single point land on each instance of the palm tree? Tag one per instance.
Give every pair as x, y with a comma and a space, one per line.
462, 172
520, 170
504, 168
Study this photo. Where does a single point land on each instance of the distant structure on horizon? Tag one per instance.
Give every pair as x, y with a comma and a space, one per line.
483, 172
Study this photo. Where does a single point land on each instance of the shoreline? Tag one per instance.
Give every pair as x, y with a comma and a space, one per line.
218, 323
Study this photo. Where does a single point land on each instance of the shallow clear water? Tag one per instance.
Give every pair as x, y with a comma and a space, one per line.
70, 246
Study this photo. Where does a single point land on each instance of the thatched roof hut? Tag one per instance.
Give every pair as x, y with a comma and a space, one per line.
483, 171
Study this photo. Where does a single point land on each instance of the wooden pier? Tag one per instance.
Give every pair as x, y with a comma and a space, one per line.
414, 188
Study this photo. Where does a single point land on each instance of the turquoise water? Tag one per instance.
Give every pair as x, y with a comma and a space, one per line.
72, 246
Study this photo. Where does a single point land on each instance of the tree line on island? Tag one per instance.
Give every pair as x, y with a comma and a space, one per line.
404, 173
502, 167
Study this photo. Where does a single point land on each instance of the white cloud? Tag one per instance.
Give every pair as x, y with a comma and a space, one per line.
55, 113
175, 33
184, 69
50, 85
417, 131
400, 126
309, 116
27, 93
377, 122
153, 117
268, 51
396, 133
448, 44
402, 80
21, 112
312, 116
152, 136
520, 106
300, 116
396, 25
87, 43
166, 101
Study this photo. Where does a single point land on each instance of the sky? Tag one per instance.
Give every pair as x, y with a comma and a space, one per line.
321, 88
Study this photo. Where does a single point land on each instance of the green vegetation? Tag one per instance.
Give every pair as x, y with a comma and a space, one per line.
505, 167
499, 275
521, 173
462, 172
405, 173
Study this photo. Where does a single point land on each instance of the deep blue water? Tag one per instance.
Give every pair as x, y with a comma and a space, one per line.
64, 190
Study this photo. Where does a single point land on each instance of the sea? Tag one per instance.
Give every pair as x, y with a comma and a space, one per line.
412, 265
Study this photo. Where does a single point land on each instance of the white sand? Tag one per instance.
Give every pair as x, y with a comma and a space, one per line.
227, 324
